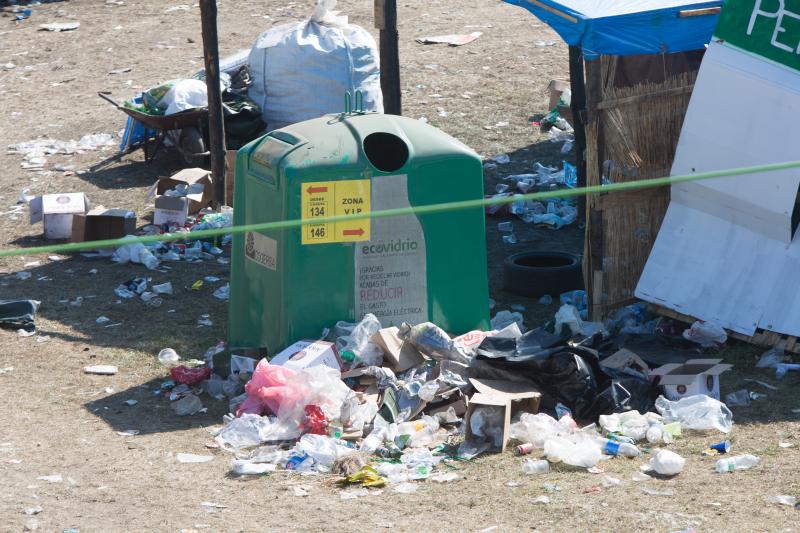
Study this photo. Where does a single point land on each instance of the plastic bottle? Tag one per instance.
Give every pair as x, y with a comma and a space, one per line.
740, 462
535, 466
625, 449
654, 433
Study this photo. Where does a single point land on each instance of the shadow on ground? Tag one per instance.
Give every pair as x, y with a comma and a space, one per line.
153, 412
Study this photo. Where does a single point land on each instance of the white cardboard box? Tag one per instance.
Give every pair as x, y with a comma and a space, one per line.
56, 211
305, 354
695, 376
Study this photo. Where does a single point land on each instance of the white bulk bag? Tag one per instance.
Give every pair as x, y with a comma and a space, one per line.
302, 70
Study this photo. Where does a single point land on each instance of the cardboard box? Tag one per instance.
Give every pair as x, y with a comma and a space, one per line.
511, 396
170, 210
101, 223
623, 360
188, 176
57, 211
695, 376
558, 88
305, 354
397, 354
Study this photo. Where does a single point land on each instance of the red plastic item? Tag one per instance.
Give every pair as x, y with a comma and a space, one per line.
190, 376
315, 422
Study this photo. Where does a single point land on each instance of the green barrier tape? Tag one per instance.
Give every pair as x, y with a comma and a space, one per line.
418, 210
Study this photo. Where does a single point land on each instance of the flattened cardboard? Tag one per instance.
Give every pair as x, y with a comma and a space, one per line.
397, 354
512, 396
695, 376
187, 176
308, 353
101, 223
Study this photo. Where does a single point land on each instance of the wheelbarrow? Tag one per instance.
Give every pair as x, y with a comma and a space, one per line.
191, 122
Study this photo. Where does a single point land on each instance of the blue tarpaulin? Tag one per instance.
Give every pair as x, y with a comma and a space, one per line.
627, 27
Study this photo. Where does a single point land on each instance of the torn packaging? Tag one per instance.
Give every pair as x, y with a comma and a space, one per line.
511, 397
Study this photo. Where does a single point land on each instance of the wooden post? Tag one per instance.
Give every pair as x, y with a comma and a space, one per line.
386, 22
578, 106
216, 124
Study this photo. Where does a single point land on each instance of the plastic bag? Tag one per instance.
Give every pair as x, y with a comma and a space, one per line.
570, 374
576, 450
487, 422
244, 432
536, 429
698, 412
357, 338
434, 342
135, 253
771, 358
706, 334
338, 56
667, 463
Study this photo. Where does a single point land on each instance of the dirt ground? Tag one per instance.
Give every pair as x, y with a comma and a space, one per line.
57, 420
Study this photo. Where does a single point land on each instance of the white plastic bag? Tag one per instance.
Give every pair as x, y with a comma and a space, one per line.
698, 412
357, 338
667, 463
706, 334
185, 94
302, 70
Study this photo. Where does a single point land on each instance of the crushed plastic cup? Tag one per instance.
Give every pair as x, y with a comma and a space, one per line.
245, 467
188, 405
168, 356
535, 466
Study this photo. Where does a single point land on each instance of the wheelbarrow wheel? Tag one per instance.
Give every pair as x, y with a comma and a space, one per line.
193, 147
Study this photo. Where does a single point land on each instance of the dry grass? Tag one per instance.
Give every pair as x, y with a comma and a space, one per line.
58, 420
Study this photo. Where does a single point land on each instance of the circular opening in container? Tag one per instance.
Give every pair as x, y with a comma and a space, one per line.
544, 261
385, 151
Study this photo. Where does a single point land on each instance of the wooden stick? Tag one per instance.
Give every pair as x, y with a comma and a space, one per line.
216, 125
386, 22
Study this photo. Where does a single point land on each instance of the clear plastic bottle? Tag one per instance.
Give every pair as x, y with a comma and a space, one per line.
740, 462
625, 449
535, 466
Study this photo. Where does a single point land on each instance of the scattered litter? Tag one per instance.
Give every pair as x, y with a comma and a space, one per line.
654, 492
193, 458
667, 463
244, 467
168, 356
33, 510
6, 370
103, 320
452, 40
405, 488
213, 505
103, 370
353, 494
300, 492
60, 26
640, 476
501, 159
26, 333
55, 478
608, 481
780, 444
791, 501
445, 478
739, 462
130, 402
223, 293
128, 433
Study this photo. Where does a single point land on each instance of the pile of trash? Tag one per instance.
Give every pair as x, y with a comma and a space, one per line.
36, 152
554, 213
389, 406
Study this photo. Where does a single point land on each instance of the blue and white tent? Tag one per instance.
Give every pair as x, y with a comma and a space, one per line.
628, 27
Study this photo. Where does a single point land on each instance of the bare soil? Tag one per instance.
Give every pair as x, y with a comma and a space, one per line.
57, 420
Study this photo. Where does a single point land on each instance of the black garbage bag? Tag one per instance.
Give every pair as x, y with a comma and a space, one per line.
570, 374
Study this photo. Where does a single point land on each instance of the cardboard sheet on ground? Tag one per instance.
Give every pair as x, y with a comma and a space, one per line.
725, 251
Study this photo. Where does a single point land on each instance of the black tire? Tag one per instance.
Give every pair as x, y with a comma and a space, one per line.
540, 273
